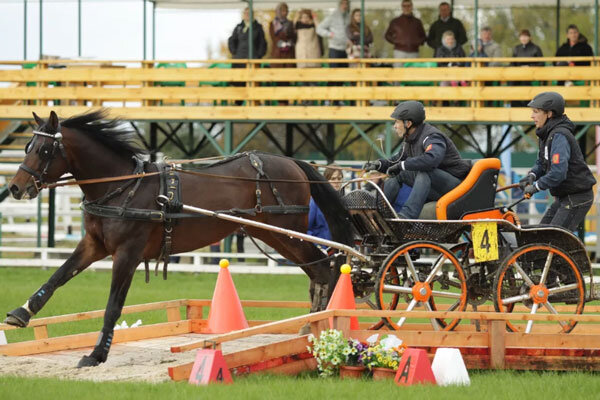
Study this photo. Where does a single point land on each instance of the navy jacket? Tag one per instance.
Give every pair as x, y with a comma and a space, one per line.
317, 225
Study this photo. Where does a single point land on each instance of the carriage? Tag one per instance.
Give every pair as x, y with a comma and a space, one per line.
466, 251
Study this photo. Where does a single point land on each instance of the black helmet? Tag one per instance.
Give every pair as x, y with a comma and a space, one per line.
549, 101
410, 111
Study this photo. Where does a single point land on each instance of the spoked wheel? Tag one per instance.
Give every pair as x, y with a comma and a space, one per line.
421, 274
544, 279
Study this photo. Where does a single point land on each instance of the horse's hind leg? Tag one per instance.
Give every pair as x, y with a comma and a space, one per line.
302, 252
86, 252
124, 266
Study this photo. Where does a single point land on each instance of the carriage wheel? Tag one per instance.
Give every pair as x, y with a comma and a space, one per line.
540, 276
422, 274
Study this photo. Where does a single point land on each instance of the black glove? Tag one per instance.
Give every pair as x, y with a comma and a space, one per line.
530, 190
372, 166
394, 169
527, 180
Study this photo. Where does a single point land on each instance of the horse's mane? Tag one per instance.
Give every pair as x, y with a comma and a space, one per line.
110, 132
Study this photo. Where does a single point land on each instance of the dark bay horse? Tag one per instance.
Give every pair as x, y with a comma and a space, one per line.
89, 147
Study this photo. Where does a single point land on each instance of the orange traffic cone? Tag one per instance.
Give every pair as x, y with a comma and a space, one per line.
343, 296
226, 313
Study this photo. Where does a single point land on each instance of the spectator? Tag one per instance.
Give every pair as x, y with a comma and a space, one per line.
238, 41
334, 28
353, 35
490, 47
446, 22
406, 33
317, 225
526, 49
283, 36
449, 49
575, 46
480, 50
308, 44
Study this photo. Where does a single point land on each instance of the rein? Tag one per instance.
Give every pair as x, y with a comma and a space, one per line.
216, 176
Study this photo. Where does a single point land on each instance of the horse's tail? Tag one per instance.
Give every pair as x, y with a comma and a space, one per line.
330, 203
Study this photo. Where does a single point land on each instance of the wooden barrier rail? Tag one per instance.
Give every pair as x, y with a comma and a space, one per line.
174, 93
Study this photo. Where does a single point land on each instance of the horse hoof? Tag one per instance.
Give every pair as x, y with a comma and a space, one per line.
18, 317
305, 330
88, 361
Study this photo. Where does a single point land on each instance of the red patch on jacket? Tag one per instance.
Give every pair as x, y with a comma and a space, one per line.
555, 158
429, 147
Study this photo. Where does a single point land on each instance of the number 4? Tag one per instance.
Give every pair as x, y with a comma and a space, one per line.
485, 241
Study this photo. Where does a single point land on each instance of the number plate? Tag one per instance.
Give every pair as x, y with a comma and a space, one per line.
485, 241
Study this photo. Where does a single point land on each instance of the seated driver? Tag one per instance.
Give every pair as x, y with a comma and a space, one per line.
428, 161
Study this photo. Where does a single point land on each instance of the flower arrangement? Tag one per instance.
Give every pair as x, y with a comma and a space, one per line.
385, 354
328, 349
354, 353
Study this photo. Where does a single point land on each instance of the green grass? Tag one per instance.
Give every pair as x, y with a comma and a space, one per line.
485, 385
89, 291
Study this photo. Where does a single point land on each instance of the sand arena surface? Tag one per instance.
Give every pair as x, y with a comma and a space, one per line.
140, 361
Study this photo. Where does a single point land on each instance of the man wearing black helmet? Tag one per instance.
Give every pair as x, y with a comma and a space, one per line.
428, 161
560, 166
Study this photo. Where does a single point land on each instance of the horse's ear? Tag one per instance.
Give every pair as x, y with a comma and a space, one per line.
53, 121
38, 120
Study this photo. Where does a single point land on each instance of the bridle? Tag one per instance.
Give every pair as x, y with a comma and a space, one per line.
47, 152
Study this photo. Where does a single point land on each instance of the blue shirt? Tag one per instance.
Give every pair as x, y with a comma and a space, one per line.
317, 224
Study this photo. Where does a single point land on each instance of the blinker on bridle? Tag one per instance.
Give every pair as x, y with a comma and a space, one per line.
47, 153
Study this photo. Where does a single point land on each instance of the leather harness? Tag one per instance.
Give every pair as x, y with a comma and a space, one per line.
170, 201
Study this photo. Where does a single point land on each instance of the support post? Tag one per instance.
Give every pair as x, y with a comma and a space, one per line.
557, 24
251, 30
144, 25
596, 27
497, 333
24, 29
51, 216
228, 139
289, 139
78, 28
153, 141
476, 26
41, 30
154, 30
39, 221
362, 28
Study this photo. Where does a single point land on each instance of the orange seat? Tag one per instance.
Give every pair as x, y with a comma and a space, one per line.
476, 192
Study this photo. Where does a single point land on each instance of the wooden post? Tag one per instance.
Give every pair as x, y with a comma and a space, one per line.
193, 312
40, 332
318, 326
342, 324
497, 343
173, 314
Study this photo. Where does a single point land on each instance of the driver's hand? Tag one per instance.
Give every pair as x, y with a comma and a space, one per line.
372, 166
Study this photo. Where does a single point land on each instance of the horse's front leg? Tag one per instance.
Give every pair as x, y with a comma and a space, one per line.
124, 266
86, 252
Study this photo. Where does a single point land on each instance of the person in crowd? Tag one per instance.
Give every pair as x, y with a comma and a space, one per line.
449, 49
560, 166
238, 41
446, 22
317, 224
308, 43
526, 49
490, 47
428, 161
283, 36
480, 50
406, 33
333, 28
353, 35
575, 46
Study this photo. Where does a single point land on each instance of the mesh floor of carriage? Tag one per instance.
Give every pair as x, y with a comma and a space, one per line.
371, 215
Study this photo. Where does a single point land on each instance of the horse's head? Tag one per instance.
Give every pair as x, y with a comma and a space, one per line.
45, 159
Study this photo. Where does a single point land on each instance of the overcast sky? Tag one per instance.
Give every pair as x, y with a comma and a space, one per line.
112, 30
